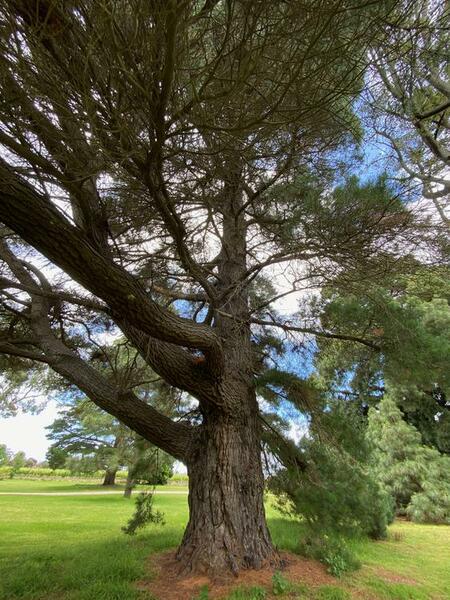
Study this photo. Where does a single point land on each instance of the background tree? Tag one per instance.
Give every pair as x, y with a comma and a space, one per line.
5, 455
146, 464
56, 457
84, 429
18, 460
417, 476
410, 316
410, 97
161, 162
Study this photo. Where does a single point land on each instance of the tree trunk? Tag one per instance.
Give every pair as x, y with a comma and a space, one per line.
110, 477
129, 485
227, 529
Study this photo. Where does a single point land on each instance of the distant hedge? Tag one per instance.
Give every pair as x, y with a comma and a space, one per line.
179, 479
39, 472
5, 472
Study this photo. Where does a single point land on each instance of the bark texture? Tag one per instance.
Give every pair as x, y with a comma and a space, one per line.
227, 528
110, 477
129, 485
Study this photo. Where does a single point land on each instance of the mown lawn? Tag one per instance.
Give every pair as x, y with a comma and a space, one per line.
69, 485
71, 548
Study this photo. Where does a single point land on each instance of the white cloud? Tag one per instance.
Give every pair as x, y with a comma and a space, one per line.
27, 432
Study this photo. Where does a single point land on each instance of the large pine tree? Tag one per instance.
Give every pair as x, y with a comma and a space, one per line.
161, 161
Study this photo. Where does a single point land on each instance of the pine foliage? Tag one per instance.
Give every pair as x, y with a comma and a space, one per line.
416, 475
143, 515
333, 493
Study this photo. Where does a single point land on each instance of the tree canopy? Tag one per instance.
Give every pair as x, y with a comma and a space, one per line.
170, 173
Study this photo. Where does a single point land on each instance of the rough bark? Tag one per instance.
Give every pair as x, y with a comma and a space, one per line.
227, 529
129, 485
110, 477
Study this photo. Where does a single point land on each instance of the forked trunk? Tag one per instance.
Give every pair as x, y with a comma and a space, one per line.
227, 528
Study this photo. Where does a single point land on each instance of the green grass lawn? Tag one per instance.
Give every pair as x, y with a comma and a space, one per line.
71, 548
70, 485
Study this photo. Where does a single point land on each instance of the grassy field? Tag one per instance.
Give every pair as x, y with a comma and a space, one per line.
71, 548
70, 485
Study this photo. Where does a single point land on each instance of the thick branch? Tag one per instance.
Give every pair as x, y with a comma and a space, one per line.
37, 221
176, 366
123, 404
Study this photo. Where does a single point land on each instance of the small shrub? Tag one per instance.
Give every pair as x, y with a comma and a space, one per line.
143, 514
280, 585
204, 593
331, 551
6, 472
40, 472
179, 479
36, 471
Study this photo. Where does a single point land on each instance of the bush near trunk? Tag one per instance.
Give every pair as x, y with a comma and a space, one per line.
334, 493
331, 550
335, 490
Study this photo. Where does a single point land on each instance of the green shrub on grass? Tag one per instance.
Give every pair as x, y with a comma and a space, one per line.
143, 514
45, 473
280, 585
6, 472
332, 551
179, 479
42, 472
204, 593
